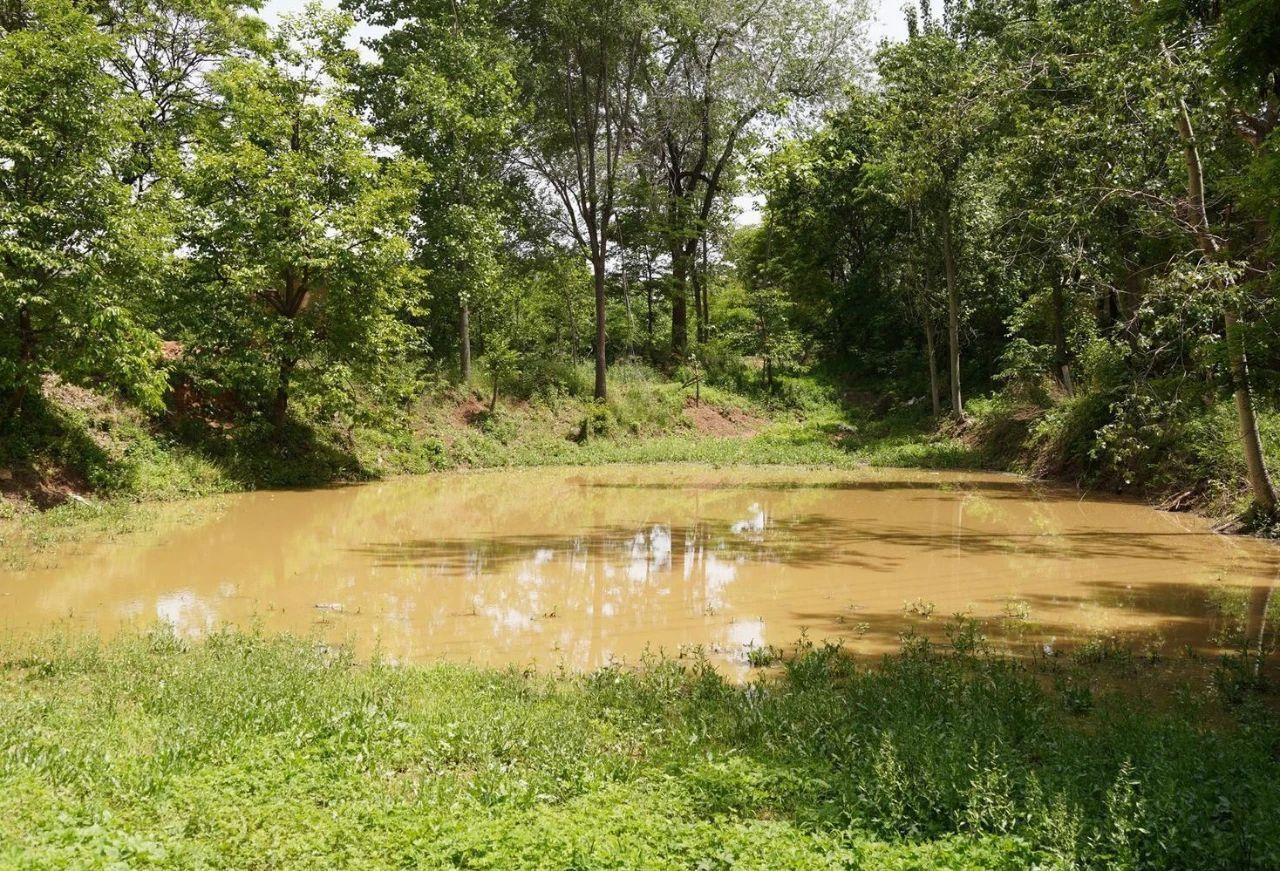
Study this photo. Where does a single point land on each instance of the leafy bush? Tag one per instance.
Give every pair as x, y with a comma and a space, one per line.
598, 422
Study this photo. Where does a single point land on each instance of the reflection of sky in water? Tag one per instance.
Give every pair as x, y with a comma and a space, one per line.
753, 526
718, 574
506, 619
607, 578
610, 561
187, 613
745, 634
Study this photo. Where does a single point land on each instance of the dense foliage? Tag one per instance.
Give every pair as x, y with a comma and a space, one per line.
1071, 203
217, 219
254, 234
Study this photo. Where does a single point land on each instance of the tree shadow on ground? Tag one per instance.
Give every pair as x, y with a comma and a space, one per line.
255, 454
1178, 615
49, 456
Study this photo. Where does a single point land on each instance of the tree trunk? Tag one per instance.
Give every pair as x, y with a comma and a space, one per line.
280, 407
464, 339
648, 300
631, 320
700, 303
1264, 493
953, 312
597, 266
705, 285
679, 304
698, 325
1060, 358
935, 389
26, 357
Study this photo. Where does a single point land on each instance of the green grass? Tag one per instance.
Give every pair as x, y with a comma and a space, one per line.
245, 751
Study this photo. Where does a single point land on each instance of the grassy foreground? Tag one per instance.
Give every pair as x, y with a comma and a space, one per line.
250, 752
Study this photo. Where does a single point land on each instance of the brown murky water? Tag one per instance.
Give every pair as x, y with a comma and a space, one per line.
583, 566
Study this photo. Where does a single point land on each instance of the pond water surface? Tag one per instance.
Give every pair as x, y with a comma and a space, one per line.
581, 567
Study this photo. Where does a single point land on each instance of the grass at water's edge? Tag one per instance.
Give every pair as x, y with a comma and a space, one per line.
245, 751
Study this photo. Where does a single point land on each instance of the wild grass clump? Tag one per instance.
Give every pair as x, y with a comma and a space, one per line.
252, 751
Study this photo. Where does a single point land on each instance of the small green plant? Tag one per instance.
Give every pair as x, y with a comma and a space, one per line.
919, 608
1016, 610
763, 656
1075, 692
965, 634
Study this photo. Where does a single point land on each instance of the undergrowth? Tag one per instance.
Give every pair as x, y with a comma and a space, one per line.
250, 751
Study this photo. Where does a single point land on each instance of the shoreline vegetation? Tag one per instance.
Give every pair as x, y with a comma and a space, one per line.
87, 464
241, 750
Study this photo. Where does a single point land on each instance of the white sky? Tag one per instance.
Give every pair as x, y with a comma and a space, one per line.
888, 22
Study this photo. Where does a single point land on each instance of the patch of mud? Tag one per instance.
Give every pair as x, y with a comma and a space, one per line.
44, 488
709, 420
467, 412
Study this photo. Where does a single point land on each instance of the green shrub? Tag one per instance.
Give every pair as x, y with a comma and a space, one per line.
597, 422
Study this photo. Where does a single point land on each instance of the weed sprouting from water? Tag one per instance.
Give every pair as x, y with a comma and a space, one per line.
763, 656
919, 608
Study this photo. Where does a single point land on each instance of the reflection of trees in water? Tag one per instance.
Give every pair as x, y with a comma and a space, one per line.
505, 565
1244, 620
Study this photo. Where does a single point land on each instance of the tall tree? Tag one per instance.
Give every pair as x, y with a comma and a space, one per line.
1258, 63
722, 67
296, 233
443, 90
936, 87
584, 76
165, 50
73, 248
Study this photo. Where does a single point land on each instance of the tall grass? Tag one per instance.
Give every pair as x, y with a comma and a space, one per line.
247, 751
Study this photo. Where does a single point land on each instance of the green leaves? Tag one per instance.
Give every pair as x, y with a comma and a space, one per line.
65, 127
296, 229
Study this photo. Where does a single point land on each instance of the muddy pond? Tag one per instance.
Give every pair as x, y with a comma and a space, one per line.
578, 567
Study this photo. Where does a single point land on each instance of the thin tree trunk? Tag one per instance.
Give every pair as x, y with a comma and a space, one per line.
1060, 358
280, 407
648, 299
631, 320
1264, 493
698, 325
706, 296
698, 275
464, 338
935, 389
953, 312
679, 304
601, 390
571, 321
